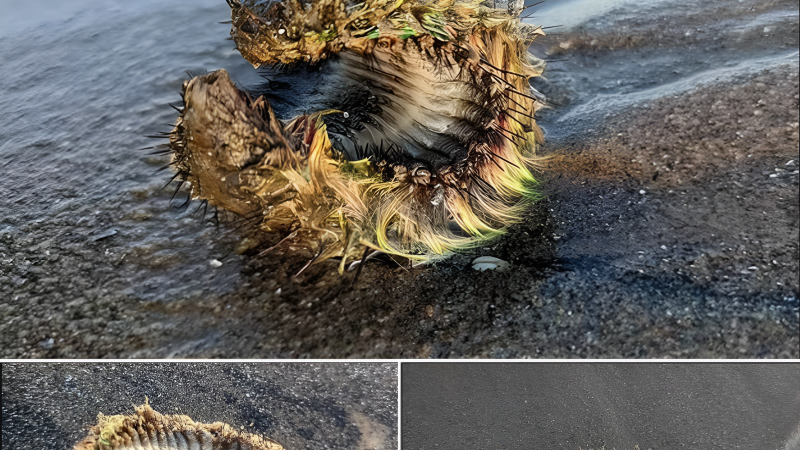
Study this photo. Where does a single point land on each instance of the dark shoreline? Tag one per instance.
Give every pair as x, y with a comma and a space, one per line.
704, 263
588, 270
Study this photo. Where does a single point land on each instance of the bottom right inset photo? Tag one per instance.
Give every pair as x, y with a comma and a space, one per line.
600, 406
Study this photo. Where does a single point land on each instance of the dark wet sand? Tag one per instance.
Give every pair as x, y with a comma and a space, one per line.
668, 229
703, 264
302, 406
593, 406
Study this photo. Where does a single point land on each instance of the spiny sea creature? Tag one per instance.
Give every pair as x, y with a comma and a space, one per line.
147, 429
402, 126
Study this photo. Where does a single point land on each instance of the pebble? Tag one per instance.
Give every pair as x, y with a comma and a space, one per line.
488, 263
105, 234
215, 263
642, 192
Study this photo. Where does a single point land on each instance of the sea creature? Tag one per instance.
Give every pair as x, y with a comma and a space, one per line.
147, 429
398, 126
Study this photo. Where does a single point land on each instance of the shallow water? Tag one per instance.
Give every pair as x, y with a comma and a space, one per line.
78, 100
683, 45
82, 83
570, 14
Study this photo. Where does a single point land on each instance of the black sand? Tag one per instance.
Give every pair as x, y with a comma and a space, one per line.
593, 406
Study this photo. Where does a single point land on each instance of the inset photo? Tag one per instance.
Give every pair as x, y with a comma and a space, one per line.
600, 406
171, 406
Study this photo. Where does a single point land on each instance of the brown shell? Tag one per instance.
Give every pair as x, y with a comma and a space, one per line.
149, 430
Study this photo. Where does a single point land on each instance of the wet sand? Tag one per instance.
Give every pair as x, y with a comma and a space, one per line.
594, 406
301, 406
669, 228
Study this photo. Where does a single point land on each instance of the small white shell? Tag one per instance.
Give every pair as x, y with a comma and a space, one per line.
488, 263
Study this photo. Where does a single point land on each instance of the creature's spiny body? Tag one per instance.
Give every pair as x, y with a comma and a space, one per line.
420, 143
149, 430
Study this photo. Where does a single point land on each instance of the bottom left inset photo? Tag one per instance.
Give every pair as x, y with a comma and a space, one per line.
208, 405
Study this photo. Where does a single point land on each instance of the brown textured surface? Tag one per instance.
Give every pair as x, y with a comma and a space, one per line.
441, 137
148, 428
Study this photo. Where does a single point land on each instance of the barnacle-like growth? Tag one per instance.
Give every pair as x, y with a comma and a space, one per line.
147, 429
416, 137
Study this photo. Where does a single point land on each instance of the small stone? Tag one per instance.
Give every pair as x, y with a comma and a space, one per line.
105, 234
47, 344
663, 247
215, 263
642, 192
488, 263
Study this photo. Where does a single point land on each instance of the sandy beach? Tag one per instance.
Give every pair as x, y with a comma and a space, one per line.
668, 227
